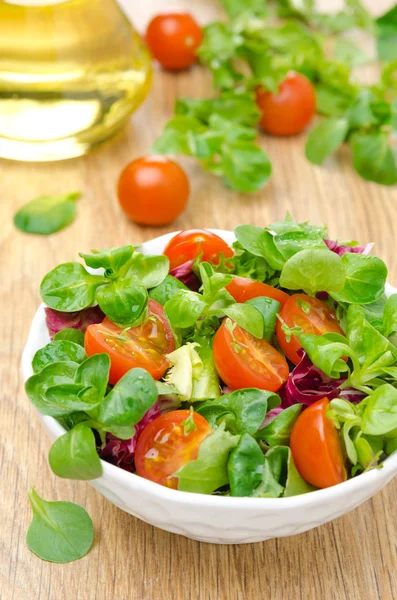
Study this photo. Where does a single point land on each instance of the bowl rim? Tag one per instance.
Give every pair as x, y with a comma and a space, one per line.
133, 481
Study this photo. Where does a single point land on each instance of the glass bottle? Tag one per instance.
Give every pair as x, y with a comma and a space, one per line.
71, 72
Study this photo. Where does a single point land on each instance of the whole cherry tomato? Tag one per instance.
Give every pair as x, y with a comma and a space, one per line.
311, 315
173, 40
191, 243
290, 110
242, 289
153, 190
316, 447
167, 444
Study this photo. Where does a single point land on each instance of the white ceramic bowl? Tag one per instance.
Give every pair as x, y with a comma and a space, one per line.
216, 519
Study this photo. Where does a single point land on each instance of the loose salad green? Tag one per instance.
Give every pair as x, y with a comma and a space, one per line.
264, 368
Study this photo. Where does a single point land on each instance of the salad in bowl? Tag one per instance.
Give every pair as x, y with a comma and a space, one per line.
259, 365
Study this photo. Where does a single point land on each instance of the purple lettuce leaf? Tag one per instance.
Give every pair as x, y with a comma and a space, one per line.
307, 383
271, 415
341, 250
81, 319
121, 452
185, 274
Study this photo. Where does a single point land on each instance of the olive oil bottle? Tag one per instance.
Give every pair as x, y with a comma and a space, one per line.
71, 71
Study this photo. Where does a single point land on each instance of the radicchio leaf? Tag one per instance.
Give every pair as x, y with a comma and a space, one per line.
185, 274
121, 452
341, 250
81, 319
306, 384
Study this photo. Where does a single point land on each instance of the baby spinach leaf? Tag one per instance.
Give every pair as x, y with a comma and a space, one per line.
373, 157
110, 259
365, 279
278, 432
166, 289
209, 471
52, 375
269, 310
313, 271
247, 317
61, 350
47, 214
274, 471
250, 406
326, 352
60, 531
380, 412
94, 371
390, 316
368, 343
260, 243
123, 300
130, 399
72, 335
184, 308
295, 484
69, 287
386, 31
150, 271
325, 139
291, 242
123, 432
72, 397
245, 466
74, 455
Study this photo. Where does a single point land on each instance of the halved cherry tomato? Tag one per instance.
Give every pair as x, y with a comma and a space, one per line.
173, 40
316, 447
153, 190
164, 447
290, 110
144, 346
312, 315
243, 361
191, 243
242, 289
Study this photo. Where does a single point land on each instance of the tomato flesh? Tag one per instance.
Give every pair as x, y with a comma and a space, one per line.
243, 289
243, 361
290, 110
173, 40
316, 447
312, 315
163, 447
153, 190
143, 346
191, 243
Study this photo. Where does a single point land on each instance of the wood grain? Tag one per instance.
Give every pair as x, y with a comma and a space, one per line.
353, 558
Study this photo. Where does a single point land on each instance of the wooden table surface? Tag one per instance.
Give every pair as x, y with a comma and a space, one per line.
353, 558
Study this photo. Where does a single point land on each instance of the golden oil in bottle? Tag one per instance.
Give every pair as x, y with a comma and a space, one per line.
71, 71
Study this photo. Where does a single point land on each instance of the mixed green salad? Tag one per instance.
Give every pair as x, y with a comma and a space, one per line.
265, 368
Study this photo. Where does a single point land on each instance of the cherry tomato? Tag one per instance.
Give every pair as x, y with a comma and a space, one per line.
243, 361
242, 289
191, 243
312, 315
153, 190
144, 346
290, 110
173, 40
316, 447
163, 446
